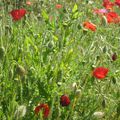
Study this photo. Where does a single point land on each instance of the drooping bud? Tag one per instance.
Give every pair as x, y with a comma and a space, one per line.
21, 70
114, 56
78, 92
2, 52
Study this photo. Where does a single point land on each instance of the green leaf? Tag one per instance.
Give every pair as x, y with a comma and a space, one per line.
45, 15
75, 8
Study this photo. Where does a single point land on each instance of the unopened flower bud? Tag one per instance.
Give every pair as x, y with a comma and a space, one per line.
74, 86
20, 112
78, 92
2, 52
104, 21
59, 83
98, 115
20, 70
114, 56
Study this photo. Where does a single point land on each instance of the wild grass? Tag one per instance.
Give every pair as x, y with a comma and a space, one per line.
53, 54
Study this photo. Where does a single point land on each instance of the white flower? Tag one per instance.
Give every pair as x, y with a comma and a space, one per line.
99, 114
20, 111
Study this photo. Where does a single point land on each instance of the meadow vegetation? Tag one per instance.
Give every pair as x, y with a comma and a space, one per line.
59, 60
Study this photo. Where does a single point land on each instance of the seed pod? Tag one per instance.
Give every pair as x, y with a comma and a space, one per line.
20, 70
2, 52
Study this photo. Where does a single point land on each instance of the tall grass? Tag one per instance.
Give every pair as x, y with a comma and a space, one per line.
53, 54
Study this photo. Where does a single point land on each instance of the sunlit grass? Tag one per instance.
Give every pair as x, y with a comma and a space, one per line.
44, 53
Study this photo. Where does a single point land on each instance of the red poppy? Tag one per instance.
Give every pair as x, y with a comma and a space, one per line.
100, 72
58, 6
89, 25
108, 5
45, 108
17, 14
64, 100
112, 17
28, 3
117, 2
114, 56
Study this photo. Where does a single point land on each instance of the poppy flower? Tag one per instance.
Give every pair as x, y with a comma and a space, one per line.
117, 2
108, 5
114, 56
64, 100
100, 11
58, 6
89, 25
28, 3
17, 14
46, 110
100, 72
112, 17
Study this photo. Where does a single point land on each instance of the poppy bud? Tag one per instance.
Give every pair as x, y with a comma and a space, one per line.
78, 92
114, 56
104, 21
114, 80
2, 52
20, 112
74, 86
64, 100
20, 70
85, 31
103, 103
59, 84
51, 44
98, 115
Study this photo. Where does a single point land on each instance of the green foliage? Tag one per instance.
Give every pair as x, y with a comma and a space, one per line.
44, 53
